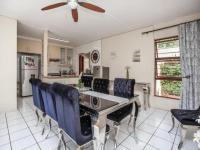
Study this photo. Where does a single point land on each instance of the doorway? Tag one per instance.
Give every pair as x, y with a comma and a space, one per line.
84, 63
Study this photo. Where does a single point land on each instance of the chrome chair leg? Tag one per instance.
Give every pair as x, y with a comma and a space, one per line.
130, 119
183, 135
135, 116
63, 142
116, 129
173, 124
60, 139
43, 121
38, 117
105, 141
50, 127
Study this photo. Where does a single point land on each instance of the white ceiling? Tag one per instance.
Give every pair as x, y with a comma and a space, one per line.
121, 16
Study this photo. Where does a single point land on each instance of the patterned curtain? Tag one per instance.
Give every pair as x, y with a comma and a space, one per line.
189, 34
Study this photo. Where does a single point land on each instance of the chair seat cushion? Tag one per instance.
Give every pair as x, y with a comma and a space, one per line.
120, 114
186, 117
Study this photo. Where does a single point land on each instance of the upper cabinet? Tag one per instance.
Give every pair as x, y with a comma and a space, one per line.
29, 46
66, 55
53, 52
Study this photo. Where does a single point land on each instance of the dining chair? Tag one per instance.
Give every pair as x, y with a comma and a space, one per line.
101, 85
49, 104
187, 119
87, 81
37, 100
123, 88
78, 128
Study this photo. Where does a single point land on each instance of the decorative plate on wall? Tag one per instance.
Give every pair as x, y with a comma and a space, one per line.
95, 56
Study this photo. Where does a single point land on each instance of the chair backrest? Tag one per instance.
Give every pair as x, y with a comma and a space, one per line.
49, 100
124, 87
87, 81
37, 97
68, 113
101, 85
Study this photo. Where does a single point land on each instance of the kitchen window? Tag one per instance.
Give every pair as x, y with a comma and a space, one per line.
167, 68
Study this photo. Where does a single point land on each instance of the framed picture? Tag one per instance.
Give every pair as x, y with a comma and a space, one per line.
137, 56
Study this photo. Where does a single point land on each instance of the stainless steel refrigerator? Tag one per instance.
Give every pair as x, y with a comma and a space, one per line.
29, 67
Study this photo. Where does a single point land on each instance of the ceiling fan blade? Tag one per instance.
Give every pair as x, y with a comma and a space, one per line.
54, 6
75, 15
91, 7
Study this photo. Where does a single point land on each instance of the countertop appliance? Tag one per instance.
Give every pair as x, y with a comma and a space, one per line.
29, 67
101, 72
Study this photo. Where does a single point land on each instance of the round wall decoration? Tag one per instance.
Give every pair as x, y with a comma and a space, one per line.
95, 56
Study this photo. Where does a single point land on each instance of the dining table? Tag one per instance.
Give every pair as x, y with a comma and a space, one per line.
99, 105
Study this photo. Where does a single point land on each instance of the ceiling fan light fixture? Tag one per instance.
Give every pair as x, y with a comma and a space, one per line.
73, 4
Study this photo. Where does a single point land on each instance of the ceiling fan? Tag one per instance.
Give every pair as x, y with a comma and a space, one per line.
73, 4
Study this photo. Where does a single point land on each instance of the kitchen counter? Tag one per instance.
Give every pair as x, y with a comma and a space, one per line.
59, 77
65, 79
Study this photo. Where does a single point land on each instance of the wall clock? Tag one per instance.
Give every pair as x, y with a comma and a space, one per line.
95, 56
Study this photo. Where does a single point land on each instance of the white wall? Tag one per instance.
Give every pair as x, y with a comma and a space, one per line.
8, 64
124, 45
96, 45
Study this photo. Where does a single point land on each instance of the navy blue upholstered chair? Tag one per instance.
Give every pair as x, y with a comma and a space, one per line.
187, 118
122, 88
101, 85
87, 81
79, 129
49, 103
37, 98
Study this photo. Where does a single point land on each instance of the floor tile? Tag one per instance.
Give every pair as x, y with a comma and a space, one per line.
23, 143
120, 147
39, 137
126, 129
13, 113
143, 136
20, 134
14, 117
132, 144
160, 143
32, 123
28, 113
3, 132
34, 147
36, 129
149, 147
17, 127
15, 122
167, 127
4, 140
153, 122
189, 145
121, 137
165, 135
2, 119
3, 125
30, 118
109, 145
49, 144
147, 128
5, 147
152, 127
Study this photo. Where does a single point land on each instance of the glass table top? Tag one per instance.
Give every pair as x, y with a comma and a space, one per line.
95, 103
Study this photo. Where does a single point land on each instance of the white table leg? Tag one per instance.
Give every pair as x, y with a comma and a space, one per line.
99, 130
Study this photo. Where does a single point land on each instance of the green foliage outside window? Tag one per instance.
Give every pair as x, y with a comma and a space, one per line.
168, 44
169, 87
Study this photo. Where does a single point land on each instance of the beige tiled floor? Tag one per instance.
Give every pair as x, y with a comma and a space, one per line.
18, 131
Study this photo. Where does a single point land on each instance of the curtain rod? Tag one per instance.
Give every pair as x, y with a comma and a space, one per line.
175, 25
